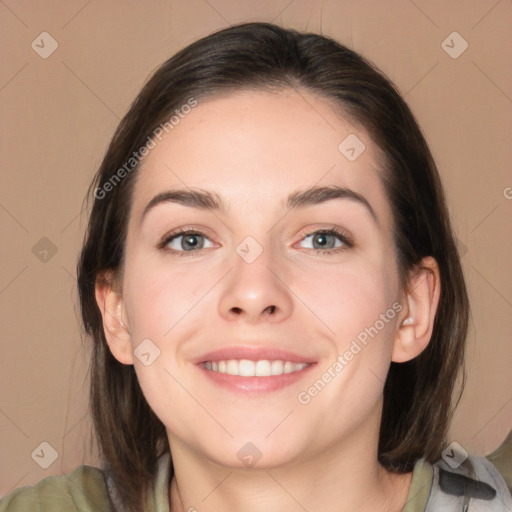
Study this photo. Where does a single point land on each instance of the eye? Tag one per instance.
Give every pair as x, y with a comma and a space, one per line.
325, 240
185, 241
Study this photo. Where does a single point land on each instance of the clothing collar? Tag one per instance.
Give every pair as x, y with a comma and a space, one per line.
417, 498
159, 497
419, 489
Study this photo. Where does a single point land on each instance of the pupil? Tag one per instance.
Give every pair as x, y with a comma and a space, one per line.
321, 239
191, 240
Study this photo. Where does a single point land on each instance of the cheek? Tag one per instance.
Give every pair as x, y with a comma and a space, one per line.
359, 306
347, 299
159, 295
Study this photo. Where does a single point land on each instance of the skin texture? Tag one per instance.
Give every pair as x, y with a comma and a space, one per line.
253, 149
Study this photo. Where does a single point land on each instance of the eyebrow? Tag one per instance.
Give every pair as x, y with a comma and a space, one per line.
211, 201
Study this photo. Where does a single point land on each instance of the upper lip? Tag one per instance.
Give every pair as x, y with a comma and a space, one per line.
252, 354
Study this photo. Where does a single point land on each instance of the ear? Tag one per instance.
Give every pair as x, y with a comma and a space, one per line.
421, 301
115, 323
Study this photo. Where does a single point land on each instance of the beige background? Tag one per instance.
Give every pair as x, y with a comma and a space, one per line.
59, 113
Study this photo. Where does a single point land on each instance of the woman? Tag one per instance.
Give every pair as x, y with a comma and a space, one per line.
272, 287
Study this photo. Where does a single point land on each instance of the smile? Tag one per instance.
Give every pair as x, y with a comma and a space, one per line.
261, 368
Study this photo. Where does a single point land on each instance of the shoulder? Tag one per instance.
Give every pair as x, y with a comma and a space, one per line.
81, 490
458, 482
501, 458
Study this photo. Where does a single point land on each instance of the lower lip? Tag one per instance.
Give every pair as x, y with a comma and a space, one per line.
255, 385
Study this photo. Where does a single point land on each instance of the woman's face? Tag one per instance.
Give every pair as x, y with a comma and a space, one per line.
262, 281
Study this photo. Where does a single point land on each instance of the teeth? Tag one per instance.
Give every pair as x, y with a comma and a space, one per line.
277, 367
246, 368
263, 368
288, 367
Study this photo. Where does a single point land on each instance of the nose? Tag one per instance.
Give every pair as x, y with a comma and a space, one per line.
256, 292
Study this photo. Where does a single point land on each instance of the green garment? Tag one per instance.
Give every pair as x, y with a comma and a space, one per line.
85, 490
502, 460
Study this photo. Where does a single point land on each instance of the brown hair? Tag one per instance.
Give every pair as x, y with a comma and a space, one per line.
418, 395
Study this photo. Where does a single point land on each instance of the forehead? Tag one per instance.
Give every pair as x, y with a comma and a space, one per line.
251, 146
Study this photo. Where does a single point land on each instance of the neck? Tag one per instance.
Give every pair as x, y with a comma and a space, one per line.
342, 478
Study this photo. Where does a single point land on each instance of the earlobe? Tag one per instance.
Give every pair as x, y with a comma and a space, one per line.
115, 323
422, 298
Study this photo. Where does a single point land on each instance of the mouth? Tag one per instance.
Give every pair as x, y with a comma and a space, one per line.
253, 371
261, 368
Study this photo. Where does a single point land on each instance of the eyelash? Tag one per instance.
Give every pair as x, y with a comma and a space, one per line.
346, 241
